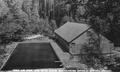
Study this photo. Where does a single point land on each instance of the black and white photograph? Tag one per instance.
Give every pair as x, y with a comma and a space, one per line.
59, 35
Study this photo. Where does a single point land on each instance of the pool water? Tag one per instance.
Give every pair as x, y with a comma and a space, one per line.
32, 56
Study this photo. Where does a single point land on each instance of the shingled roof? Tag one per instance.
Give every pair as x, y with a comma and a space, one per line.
71, 30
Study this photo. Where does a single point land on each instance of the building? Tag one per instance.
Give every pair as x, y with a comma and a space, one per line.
72, 36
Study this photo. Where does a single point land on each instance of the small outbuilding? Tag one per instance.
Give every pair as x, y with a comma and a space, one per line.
76, 34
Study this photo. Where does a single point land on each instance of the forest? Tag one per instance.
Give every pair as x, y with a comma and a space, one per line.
38, 16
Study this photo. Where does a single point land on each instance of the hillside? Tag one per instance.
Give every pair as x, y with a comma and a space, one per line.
22, 17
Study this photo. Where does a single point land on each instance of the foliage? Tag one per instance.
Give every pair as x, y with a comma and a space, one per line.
60, 12
23, 17
93, 56
91, 51
10, 32
111, 62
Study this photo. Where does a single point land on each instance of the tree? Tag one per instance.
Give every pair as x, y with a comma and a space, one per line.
91, 52
10, 32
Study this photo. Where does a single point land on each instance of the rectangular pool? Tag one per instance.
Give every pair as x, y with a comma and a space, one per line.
32, 56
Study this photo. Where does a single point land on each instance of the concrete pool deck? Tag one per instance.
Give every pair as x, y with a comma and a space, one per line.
63, 56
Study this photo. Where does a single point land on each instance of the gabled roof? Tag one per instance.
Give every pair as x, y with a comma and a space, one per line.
71, 30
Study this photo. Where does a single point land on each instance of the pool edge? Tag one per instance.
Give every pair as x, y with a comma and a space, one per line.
8, 57
51, 42
61, 55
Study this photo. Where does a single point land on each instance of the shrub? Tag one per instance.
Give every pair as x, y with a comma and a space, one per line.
10, 32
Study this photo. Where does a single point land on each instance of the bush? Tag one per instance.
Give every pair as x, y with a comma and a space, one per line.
94, 58
10, 32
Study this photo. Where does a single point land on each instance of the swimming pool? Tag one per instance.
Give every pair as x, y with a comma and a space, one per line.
32, 56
